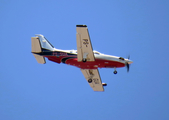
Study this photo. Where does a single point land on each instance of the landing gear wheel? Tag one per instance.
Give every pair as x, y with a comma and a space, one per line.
84, 59
115, 72
89, 80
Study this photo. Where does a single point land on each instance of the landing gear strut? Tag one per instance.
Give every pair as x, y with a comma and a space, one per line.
84, 57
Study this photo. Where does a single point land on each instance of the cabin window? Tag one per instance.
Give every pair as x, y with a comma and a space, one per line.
121, 58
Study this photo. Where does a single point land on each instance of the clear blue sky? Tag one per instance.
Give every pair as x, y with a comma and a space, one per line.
31, 91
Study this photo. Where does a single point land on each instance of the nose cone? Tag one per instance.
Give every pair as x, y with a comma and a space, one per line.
129, 61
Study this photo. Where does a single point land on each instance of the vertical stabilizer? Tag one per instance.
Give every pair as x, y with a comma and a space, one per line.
45, 44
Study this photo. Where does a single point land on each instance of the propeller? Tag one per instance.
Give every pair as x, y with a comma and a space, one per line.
128, 57
127, 64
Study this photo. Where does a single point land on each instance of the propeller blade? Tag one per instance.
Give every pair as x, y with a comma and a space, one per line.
128, 67
128, 57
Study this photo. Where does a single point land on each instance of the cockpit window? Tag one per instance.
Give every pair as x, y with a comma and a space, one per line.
96, 52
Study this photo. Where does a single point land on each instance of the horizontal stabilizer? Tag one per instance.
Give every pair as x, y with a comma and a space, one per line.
40, 59
36, 48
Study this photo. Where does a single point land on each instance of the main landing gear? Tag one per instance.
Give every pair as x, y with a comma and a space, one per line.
90, 81
84, 59
115, 72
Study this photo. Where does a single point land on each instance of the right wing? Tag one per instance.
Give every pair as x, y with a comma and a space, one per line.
84, 45
93, 78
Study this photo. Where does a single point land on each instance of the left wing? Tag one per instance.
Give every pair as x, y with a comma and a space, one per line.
84, 46
93, 78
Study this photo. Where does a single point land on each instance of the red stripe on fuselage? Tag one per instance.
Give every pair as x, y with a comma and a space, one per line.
98, 63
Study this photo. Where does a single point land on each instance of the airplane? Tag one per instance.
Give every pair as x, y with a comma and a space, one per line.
84, 57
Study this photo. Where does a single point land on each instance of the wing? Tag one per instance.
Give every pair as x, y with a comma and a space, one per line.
84, 46
93, 78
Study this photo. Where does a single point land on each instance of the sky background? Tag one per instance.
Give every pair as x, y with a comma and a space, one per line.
32, 91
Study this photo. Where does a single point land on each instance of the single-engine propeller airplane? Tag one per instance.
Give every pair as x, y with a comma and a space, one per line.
84, 57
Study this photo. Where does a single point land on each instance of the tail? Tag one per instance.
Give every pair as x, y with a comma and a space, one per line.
39, 43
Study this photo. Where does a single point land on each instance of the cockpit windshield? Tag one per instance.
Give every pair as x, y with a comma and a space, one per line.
96, 52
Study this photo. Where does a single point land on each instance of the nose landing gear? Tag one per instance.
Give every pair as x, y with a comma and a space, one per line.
115, 72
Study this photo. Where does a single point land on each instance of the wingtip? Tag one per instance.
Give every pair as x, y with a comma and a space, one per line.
81, 25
